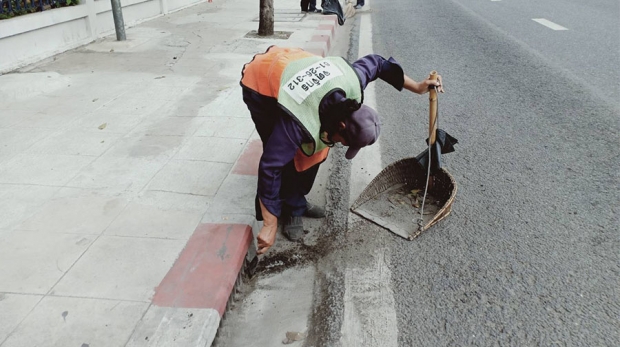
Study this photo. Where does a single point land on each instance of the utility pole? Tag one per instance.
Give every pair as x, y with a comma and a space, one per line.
265, 21
119, 23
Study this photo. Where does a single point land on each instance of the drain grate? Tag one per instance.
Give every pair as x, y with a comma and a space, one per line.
286, 16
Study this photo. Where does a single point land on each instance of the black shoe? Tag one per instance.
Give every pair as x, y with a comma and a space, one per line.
314, 211
293, 228
316, 10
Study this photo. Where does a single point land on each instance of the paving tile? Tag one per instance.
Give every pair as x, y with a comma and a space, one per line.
46, 119
14, 141
160, 93
75, 142
50, 170
123, 268
55, 105
33, 261
9, 118
215, 149
115, 122
62, 322
168, 200
236, 128
130, 103
162, 147
169, 78
192, 177
117, 174
175, 327
231, 199
17, 89
170, 126
74, 210
229, 103
18, 202
14, 308
87, 97
150, 221
30, 118
44, 102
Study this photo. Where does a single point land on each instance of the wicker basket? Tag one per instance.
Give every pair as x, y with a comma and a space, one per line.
410, 173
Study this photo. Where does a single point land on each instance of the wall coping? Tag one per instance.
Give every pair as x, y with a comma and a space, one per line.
34, 21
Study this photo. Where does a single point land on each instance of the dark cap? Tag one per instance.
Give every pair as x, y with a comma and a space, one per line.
362, 129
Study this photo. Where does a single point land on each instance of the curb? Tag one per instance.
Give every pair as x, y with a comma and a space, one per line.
323, 36
208, 272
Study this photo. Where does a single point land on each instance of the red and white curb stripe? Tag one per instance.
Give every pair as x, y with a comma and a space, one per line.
323, 36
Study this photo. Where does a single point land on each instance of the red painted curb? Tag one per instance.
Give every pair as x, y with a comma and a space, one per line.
321, 37
205, 273
247, 164
330, 27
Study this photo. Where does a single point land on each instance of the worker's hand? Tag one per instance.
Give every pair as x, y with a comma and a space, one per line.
434, 83
266, 238
267, 234
424, 86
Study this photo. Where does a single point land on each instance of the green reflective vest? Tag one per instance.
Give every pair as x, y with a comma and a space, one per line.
303, 85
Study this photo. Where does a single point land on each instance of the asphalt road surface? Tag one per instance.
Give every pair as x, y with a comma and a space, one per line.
531, 253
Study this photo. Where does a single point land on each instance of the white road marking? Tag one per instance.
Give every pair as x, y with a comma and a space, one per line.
367, 163
369, 305
549, 24
496, 0
369, 315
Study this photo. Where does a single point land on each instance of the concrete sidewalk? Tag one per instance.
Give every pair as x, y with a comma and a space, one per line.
127, 180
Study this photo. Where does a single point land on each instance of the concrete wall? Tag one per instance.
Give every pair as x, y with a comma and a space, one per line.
32, 37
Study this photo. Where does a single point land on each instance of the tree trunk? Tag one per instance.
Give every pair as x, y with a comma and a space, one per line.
265, 24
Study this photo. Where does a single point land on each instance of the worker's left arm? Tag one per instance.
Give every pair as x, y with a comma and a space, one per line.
373, 66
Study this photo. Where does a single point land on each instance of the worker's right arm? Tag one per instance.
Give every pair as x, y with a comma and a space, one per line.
279, 150
267, 234
373, 66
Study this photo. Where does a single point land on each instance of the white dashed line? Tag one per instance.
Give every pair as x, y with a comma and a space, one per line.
549, 24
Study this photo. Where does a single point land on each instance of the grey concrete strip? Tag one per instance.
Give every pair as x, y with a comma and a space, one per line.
277, 304
370, 318
369, 306
175, 327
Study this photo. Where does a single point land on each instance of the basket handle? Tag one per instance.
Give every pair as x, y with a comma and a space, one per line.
432, 111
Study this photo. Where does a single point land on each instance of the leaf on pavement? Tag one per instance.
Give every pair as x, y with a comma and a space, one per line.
293, 336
